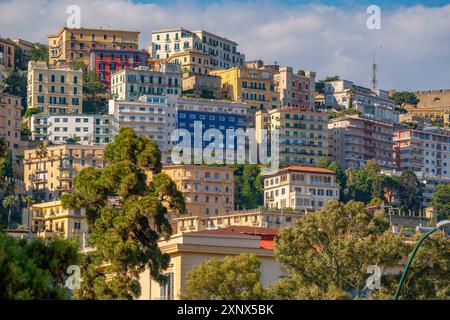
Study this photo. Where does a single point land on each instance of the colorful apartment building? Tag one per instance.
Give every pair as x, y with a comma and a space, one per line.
355, 139
254, 86
130, 84
192, 61
303, 134
424, 151
49, 170
189, 249
300, 188
85, 129
221, 52
106, 62
207, 190
54, 90
50, 219
6, 57
75, 44
10, 120
296, 89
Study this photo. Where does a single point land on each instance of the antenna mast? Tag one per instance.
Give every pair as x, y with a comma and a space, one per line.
374, 74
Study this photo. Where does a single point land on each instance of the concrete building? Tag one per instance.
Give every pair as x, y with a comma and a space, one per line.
354, 139
300, 188
74, 44
263, 217
10, 120
433, 104
54, 90
130, 84
82, 129
151, 116
192, 61
187, 250
207, 190
426, 151
222, 52
50, 219
303, 134
49, 170
254, 86
201, 86
296, 89
106, 62
343, 95
6, 58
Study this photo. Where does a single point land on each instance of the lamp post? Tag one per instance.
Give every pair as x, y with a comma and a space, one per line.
429, 232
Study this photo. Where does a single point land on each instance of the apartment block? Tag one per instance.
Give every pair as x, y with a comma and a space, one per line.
376, 105
10, 120
49, 170
207, 190
189, 249
295, 89
254, 86
50, 219
192, 62
6, 57
55, 90
73, 44
222, 52
106, 62
82, 129
354, 139
300, 188
303, 134
130, 84
424, 151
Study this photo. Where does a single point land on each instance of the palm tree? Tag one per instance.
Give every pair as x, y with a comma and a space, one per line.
9, 202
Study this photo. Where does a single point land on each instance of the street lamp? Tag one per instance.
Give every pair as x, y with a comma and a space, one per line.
429, 231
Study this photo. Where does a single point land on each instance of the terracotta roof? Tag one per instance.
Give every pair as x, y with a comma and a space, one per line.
301, 169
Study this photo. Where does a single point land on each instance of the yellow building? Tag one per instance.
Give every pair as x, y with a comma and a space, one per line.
75, 44
303, 134
49, 171
433, 105
54, 90
6, 57
10, 119
50, 219
188, 250
192, 62
207, 190
255, 86
248, 218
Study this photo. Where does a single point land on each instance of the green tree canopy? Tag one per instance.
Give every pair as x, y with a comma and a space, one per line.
410, 191
16, 85
93, 88
233, 278
441, 202
403, 98
127, 216
38, 53
248, 186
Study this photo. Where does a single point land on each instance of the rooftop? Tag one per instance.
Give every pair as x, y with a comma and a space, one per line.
301, 169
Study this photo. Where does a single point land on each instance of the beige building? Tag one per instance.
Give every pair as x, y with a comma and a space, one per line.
192, 61
207, 190
188, 250
303, 134
254, 86
54, 90
10, 119
6, 58
76, 44
49, 171
50, 219
300, 188
433, 104
354, 139
296, 89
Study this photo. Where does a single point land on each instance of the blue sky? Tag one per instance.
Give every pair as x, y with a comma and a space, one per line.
330, 37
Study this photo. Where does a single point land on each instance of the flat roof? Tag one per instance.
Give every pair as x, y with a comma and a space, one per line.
254, 231
301, 169
90, 29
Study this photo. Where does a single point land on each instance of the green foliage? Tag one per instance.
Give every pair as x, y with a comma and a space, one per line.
20, 59
31, 111
410, 191
233, 278
38, 53
441, 202
24, 130
127, 217
248, 186
411, 125
341, 178
403, 98
78, 64
35, 269
10, 202
323, 162
327, 252
16, 84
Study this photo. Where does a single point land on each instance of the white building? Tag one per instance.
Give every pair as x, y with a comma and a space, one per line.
343, 94
300, 188
85, 129
130, 84
222, 51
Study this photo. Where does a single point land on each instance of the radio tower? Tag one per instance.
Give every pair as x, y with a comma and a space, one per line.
374, 74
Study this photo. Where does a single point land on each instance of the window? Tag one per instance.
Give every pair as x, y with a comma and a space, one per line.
166, 291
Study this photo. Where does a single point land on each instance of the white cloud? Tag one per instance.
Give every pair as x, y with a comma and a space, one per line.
415, 41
